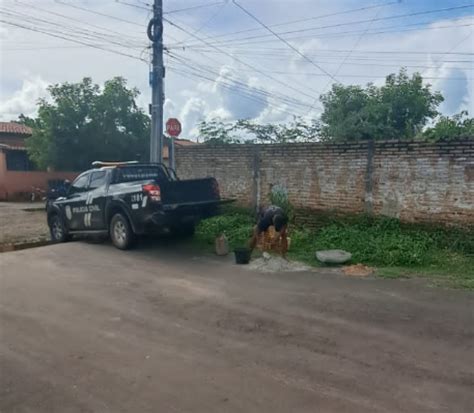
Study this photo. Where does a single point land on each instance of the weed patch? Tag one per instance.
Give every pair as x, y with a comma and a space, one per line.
398, 250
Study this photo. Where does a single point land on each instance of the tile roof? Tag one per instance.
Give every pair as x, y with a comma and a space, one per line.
14, 128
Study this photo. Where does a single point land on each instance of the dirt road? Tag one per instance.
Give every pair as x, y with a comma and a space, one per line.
22, 222
88, 328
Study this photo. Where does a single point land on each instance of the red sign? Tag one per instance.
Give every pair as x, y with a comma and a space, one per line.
173, 127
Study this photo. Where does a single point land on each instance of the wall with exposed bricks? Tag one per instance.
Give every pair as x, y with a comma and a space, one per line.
414, 181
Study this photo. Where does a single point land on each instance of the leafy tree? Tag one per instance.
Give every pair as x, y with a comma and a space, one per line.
82, 123
459, 126
216, 132
397, 110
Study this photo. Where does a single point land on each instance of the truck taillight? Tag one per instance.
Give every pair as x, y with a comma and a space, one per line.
153, 191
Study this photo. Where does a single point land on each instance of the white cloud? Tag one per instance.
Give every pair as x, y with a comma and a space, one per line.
191, 114
239, 95
23, 100
44, 60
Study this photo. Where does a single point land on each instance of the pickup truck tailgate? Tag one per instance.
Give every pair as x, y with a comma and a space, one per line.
190, 191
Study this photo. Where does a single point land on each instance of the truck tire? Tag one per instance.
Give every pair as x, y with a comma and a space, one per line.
57, 229
121, 232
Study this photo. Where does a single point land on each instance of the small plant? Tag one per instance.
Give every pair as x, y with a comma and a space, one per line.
279, 197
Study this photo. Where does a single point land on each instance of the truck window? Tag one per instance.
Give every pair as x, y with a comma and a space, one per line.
98, 179
80, 183
139, 173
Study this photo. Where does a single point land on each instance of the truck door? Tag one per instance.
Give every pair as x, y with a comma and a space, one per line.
75, 205
96, 200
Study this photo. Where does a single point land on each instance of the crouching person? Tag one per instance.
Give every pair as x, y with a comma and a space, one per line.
276, 217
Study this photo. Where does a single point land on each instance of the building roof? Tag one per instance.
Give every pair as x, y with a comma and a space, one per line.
13, 128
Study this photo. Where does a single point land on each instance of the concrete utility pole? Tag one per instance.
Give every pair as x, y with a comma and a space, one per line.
155, 34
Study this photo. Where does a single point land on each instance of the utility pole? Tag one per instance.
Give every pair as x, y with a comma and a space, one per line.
155, 34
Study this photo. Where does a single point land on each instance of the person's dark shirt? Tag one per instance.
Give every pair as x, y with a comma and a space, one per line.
265, 220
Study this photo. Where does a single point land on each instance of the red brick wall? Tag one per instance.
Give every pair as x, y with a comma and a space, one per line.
414, 181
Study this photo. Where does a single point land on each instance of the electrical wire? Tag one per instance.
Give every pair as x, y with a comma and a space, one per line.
132, 5
345, 34
206, 23
232, 89
70, 40
216, 3
208, 70
398, 16
312, 62
236, 59
80, 21
309, 18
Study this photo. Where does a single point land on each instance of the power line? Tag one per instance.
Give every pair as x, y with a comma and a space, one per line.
70, 40
76, 20
231, 88
334, 59
235, 58
25, 49
196, 66
344, 34
133, 5
391, 52
398, 16
87, 10
284, 41
200, 6
99, 13
206, 23
310, 18
87, 35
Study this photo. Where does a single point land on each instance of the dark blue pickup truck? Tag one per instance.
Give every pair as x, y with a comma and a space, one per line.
128, 199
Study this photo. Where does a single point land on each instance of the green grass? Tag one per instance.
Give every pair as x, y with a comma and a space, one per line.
445, 256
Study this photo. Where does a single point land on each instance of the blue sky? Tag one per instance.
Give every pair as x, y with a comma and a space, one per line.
214, 72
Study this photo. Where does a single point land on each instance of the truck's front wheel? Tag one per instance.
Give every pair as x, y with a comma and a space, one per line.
58, 229
121, 232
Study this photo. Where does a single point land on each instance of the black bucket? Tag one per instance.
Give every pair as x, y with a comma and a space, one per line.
242, 255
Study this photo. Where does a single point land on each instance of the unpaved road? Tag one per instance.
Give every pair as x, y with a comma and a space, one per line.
88, 328
22, 222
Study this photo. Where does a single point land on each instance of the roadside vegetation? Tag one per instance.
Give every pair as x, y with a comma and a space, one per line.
395, 249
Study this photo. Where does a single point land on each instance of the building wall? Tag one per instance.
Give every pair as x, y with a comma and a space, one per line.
414, 181
13, 139
16, 184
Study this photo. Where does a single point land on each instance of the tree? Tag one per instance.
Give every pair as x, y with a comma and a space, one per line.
82, 123
459, 126
216, 132
397, 110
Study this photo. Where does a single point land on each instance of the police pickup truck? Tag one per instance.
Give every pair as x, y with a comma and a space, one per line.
128, 199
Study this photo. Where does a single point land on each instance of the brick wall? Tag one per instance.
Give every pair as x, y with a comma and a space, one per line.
414, 181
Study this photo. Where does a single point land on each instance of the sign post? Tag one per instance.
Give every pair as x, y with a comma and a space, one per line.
173, 129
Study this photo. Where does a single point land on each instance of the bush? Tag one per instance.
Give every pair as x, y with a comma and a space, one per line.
236, 226
379, 242
382, 242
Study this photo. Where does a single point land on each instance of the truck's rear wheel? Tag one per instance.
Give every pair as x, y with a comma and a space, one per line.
121, 233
